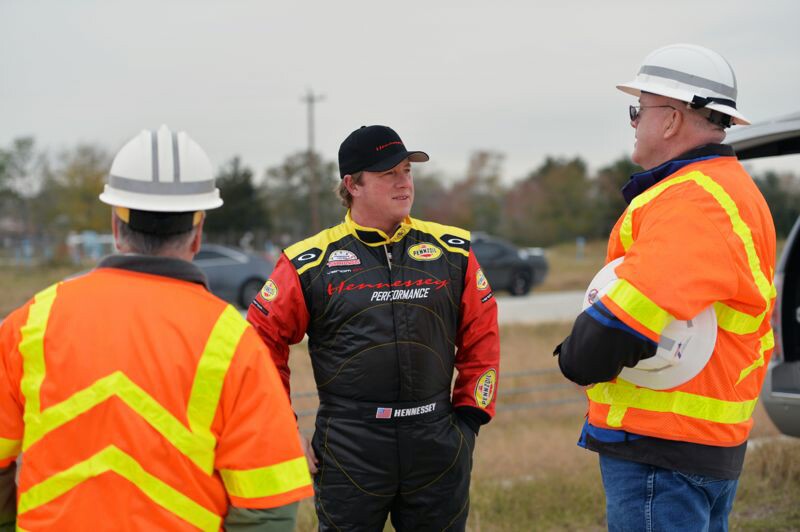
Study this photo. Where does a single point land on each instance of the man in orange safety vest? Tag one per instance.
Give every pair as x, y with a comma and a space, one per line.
134, 398
696, 235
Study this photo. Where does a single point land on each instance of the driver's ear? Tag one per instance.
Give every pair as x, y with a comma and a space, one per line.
350, 185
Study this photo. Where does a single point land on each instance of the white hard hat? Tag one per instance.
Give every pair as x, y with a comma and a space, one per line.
162, 171
693, 74
683, 351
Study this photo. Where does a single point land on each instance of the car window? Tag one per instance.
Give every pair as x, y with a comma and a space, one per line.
488, 250
206, 254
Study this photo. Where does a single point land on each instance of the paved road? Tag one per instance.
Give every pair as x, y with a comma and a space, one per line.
539, 307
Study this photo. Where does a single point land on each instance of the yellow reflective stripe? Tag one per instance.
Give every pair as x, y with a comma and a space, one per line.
616, 412
196, 442
119, 385
626, 227
267, 481
732, 320
31, 347
211, 370
615, 415
639, 306
9, 448
115, 460
728, 318
767, 342
625, 395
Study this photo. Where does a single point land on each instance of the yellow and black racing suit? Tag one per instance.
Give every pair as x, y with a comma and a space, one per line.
388, 320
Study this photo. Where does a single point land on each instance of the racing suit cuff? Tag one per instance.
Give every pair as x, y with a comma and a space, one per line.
472, 417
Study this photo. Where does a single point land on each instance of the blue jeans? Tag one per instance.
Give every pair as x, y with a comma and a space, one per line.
649, 498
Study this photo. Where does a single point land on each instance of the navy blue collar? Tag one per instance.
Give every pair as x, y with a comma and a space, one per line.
644, 180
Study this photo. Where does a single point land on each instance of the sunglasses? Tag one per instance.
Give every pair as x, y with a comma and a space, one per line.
635, 110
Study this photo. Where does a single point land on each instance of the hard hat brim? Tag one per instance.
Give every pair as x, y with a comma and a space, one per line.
635, 88
148, 202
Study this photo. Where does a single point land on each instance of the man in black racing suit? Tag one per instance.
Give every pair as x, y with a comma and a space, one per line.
391, 305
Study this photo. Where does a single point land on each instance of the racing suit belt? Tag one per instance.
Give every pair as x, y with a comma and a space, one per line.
384, 412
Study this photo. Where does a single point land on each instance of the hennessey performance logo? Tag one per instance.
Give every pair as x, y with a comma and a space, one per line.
400, 294
348, 287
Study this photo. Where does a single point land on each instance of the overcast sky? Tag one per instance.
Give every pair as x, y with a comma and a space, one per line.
525, 78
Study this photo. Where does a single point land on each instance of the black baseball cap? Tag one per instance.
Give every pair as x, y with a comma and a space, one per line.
374, 149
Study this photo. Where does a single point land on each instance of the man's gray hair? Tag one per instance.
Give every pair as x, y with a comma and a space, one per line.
150, 244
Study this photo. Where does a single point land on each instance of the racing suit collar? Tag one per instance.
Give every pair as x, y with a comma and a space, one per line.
641, 181
375, 237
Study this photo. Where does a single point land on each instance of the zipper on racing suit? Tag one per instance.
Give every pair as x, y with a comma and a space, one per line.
388, 256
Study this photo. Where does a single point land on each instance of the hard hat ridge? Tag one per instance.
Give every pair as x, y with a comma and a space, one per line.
162, 171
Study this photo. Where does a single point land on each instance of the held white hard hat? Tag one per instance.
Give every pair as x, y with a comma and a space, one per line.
162, 171
683, 351
698, 76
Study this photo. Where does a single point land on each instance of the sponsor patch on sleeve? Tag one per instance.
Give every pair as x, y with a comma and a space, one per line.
484, 388
269, 291
481, 281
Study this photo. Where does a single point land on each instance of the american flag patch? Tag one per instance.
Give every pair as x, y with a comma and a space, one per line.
383, 413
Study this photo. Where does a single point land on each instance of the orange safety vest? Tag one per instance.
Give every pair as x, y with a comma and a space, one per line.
702, 236
142, 402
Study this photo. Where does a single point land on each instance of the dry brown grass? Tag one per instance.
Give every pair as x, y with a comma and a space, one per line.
529, 473
570, 272
20, 284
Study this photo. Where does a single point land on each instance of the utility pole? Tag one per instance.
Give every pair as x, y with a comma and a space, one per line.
310, 99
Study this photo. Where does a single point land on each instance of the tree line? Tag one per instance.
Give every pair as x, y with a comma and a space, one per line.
45, 195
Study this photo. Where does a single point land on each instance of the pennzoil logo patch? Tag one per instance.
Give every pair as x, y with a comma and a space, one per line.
343, 257
270, 290
424, 251
481, 281
484, 389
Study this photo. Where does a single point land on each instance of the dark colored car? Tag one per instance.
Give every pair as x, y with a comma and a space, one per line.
781, 391
508, 267
233, 274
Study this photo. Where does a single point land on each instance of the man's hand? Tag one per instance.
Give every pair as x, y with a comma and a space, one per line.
311, 458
